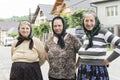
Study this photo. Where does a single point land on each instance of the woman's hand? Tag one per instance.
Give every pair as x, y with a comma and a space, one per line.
106, 63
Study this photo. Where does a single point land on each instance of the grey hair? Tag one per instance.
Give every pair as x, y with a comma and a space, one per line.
24, 22
89, 12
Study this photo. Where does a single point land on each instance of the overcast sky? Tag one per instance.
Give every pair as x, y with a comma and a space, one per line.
9, 8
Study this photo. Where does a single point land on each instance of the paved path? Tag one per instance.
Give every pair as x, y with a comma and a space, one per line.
5, 65
44, 69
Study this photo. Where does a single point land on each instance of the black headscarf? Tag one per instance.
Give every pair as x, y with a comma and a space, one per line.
20, 38
63, 33
91, 33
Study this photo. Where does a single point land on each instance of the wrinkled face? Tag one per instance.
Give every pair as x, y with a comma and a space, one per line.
89, 21
58, 26
24, 30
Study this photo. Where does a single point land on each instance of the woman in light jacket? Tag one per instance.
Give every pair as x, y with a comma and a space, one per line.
27, 55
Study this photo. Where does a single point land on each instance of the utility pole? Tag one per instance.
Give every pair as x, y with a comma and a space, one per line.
30, 14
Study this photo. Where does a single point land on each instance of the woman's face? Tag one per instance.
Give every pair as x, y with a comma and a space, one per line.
24, 30
58, 26
89, 21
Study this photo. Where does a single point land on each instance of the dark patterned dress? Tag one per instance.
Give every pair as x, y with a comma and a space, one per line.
62, 61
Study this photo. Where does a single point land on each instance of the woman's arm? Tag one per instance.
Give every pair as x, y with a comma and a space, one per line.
114, 40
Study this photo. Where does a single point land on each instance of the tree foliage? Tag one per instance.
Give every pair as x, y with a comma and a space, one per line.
1, 20
36, 30
74, 19
77, 17
44, 27
13, 34
66, 18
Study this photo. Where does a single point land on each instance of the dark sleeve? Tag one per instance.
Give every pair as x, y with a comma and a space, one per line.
113, 56
114, 40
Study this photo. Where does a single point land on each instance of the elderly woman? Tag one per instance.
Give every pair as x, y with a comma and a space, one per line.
93, 65
27, 55
61, 49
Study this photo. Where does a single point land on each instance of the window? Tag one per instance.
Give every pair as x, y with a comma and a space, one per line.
41, 13
112, 11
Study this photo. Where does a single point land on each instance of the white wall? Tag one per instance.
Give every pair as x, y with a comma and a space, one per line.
108, 20
40, 19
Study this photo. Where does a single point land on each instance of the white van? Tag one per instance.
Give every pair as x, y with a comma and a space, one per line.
8, 41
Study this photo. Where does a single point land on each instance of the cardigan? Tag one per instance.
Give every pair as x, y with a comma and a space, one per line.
22, 53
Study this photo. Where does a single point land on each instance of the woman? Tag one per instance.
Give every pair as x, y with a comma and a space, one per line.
27, 55
61, 49
93, 65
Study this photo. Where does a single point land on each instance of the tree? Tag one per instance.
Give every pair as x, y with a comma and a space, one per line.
13, 35
74, 19
36, 31
41, 30
66, 18
45, 27
1, 20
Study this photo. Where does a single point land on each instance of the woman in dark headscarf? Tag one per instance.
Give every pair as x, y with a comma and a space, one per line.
28, 55
93, 65
61, 49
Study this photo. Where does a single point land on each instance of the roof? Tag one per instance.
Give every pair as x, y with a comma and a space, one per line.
58, 7
102, 1
71, 4
5, 26
46, 8
78, 4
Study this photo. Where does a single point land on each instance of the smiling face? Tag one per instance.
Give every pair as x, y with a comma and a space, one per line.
89, 21
58, 26
24, 30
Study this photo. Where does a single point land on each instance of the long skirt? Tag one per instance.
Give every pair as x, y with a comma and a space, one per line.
92, 72
25, 71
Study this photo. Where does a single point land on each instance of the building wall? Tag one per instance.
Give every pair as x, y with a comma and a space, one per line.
40, 19
3, 35
108, 21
